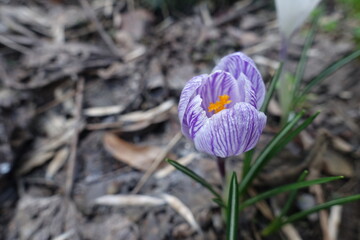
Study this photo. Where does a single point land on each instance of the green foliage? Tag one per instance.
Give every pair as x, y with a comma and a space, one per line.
271, 88
233, 210
277, 221
275, 145
351, 5
292, 94
302, 214
197, 178
330, 26
286, 188
325, 73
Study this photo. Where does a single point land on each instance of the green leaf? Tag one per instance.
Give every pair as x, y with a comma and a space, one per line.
247, 162
233, 210
196, 177
326, 72
298, 216
278, 220
219, 202
271, 89
261, 160
290, 136
286, 188
320, 207
292, 196
300, 69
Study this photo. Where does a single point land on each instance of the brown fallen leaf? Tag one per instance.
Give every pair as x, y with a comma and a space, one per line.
335, 164
57, 162
139, 157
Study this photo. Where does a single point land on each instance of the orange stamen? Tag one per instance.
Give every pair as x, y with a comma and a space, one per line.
219, 105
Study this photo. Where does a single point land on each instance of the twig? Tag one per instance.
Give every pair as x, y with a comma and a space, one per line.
55, 102
157, 162
104, 36
73, 149
334, 222
317, 153
234, 14
324, 216
13, 45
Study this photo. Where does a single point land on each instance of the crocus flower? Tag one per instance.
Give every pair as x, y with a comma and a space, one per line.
220, 111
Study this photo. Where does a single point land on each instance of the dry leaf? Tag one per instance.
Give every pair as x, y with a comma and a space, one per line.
182, 209
57, 162
139, 157
342, 145
36, 160
103, 111
138, 120
129, 200
336, 165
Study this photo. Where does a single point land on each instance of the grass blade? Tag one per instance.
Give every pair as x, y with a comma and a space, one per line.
298, 216
286, 188
261, 160
326, 72
319, 207
247, 162
233, 210
277, 221
271, 89
196, 177
292, 196
300, 69
290, 136
219, 202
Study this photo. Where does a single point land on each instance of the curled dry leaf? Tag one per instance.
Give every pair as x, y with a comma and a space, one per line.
129, 200
36, 160
103, 111
57, 162
183, 210
342, 145
139, 157
334, 221
138, 120
336, 164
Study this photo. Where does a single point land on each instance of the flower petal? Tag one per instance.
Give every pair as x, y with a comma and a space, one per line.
238, 63
188, 91
231, 131
292, 14
218, 84
194, 117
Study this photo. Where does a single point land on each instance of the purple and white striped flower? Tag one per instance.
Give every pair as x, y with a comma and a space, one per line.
220, 111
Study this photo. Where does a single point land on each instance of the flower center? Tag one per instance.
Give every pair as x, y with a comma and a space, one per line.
219, 105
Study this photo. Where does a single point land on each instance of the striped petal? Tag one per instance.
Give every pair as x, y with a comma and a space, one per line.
188, 91
218, 84
231, 131
194, 117
237, 64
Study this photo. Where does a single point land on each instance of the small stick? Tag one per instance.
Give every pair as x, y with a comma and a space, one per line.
157, 162
334, 222
104, 36
73, 149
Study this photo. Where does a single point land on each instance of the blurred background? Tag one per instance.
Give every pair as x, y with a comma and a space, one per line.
88, 102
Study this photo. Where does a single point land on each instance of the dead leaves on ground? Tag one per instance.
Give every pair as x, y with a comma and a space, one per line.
138, 157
